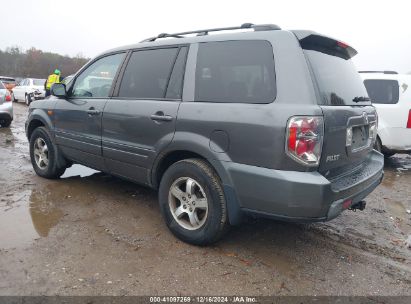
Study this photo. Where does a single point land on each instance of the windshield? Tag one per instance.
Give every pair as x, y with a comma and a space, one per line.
39, 82
337, 79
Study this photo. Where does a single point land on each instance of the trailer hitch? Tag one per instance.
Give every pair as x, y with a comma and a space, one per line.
358, 206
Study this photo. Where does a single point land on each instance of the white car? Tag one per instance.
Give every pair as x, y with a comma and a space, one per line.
390, 93
29, 89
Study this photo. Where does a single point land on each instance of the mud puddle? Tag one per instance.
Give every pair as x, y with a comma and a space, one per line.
26, 217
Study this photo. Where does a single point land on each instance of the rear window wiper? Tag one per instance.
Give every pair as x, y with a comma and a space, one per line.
361, 98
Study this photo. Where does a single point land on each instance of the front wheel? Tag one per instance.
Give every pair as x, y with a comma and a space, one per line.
192, 202
43, 154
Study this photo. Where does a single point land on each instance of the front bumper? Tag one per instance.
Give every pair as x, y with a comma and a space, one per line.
302, 196
38, 95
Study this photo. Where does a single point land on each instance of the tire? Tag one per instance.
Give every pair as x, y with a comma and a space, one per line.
205, 191
27, 99
5, 123
377, 145
13, 98
45, 163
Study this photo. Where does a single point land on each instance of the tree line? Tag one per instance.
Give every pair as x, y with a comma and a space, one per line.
35, 63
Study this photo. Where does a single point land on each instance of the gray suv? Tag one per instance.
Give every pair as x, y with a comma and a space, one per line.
258, 121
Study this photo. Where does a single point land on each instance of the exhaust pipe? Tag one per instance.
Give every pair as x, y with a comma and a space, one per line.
358, 206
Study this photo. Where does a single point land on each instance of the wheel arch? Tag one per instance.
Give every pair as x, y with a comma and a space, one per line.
171, 156
38, 119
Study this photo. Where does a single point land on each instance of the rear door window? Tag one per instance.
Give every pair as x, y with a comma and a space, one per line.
235, 72
147, 74
382, 91
175, 85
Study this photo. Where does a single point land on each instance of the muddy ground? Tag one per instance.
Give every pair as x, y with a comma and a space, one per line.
92, 234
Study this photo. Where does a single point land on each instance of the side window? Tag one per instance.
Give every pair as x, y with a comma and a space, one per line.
175, 86
383, 91
235, 71
147, 73
96, 80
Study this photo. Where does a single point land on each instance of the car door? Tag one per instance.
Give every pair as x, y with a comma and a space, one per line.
19, 90
141, 119
77, 119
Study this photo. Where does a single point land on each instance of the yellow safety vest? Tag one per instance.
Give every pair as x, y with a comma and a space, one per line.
53, 78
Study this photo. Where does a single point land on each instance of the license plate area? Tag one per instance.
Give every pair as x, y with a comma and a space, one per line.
360, 138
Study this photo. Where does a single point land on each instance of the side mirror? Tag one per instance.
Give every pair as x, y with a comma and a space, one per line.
58, 90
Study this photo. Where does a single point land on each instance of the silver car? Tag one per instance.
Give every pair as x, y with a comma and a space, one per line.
6, 106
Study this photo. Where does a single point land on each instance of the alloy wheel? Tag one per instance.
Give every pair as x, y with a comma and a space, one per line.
188, 203
41, 153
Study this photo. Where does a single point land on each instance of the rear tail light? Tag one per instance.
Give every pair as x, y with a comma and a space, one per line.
372, 134
305, 138
8, 96
409, 120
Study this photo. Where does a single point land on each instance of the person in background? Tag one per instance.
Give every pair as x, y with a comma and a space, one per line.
53, 78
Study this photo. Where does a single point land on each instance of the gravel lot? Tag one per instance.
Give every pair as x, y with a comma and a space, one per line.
92, 234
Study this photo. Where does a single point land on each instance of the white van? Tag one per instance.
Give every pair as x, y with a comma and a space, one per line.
390, 93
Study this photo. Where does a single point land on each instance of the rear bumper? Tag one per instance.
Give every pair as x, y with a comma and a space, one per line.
302, 196
6, 111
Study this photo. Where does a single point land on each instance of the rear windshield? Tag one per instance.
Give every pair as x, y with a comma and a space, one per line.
383, 91
39, 82
337, 79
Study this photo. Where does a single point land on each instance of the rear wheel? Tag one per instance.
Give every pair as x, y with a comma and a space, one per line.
43, 154
192, 202
27, 99
378, 146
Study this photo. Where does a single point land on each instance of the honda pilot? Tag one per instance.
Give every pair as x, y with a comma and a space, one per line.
253, 121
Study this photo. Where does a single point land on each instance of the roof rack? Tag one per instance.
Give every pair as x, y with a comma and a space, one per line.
383, 72
256, 27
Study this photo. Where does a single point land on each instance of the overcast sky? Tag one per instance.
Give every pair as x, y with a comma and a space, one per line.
379, 30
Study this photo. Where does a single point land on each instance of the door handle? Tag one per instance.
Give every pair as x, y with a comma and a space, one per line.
92, 111
161, 117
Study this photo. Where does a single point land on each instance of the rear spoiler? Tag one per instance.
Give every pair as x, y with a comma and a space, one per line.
313, 41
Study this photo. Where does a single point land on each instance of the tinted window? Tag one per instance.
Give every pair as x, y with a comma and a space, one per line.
175, 86
235, 71
337, 79
39, 82
96, 80
147, 73
382, 90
